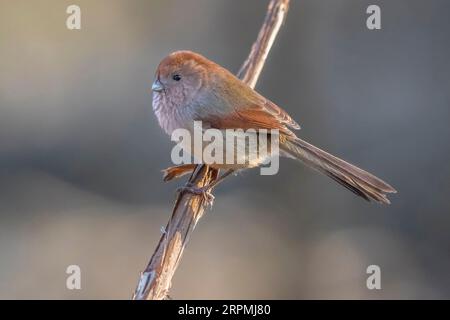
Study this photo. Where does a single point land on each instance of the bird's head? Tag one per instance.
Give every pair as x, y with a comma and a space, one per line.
181, 72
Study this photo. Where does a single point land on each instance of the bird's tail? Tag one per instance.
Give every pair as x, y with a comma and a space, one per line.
353, 178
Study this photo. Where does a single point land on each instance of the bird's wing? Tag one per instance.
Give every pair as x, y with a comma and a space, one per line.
241, 107
260, 114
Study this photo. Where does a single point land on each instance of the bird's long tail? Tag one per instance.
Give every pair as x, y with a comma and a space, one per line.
353, 178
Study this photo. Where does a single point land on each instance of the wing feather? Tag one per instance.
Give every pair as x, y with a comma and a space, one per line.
262, 115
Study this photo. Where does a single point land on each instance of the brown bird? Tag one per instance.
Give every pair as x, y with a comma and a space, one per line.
188, 87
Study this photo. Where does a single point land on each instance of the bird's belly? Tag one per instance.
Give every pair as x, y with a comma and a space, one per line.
237, 151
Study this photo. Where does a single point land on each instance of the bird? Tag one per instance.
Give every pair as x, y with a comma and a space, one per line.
189, 87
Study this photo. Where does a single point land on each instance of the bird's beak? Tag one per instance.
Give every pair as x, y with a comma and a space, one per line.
157, 86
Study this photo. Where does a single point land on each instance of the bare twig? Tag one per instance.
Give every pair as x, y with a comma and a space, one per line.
155, 280
252, 67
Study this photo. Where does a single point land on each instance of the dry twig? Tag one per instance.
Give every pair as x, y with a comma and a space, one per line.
155, 280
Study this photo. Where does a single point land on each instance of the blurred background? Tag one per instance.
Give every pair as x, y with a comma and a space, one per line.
81, 151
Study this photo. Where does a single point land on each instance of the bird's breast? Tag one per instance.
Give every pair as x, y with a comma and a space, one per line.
170, 113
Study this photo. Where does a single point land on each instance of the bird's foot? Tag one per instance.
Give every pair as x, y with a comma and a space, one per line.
205, 192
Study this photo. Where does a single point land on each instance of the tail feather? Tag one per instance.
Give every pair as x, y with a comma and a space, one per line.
353, 178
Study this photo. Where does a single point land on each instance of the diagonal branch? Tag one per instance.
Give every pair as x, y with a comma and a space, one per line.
155, 280
252, 67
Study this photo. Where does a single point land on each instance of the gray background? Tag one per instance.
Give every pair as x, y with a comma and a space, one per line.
81, 151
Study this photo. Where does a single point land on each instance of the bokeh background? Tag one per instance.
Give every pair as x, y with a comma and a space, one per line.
81, 151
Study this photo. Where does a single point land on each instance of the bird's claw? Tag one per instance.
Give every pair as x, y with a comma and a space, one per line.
205, 192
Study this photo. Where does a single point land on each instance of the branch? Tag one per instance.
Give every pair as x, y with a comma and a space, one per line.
155, 280
252, 67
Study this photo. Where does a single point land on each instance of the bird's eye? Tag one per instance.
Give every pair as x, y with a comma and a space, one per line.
176, 77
